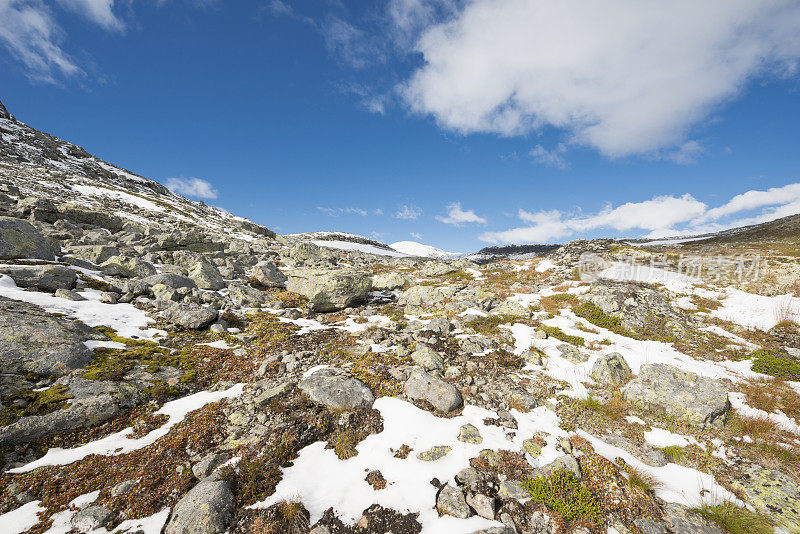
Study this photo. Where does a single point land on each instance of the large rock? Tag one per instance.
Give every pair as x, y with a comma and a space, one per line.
611, 369
392, 280
20, 239
91, 216
190, 316
427, 358
330, 290
31, 340
41, 277
128, 267
267, 274
93, 402
206, 276
420, 296
170, 280
442, 395
245, 296
207, 509
96, 254
451, 501
695, 399
337, 390
773, 493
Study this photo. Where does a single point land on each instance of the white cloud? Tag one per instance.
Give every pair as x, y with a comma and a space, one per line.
336, 212
457, 217
191, 187
551, 158
101, 12
409, 213
32, 36
415, 235
660, 216
623, 76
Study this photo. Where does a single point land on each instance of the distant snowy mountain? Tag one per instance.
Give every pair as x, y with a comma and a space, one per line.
412, 248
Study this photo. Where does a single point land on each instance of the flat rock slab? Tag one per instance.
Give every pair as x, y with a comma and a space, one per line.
32, 340
329, 291
190, 316
337, 390
698, 400
20, 239
41, 277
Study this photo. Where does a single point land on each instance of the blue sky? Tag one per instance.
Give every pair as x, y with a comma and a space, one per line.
455, 123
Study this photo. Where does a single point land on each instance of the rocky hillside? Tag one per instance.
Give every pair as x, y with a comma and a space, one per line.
169, 367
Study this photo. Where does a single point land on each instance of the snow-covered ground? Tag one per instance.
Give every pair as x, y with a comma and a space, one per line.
359, 247
412, 248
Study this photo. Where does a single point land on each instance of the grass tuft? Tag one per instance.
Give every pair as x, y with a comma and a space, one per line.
735, 519
673, 453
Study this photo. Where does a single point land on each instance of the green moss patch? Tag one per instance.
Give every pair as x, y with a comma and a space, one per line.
767, 362
38, 403
562, 492
556, 332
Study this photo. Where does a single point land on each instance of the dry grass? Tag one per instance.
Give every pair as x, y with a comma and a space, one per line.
736, 520
344, 443
641, 479
288, 517
783, 311
755, 427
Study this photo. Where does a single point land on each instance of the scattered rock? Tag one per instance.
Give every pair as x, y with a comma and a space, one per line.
451, 501
190, 316
329, 291
469, 434
267, 274
434, 453
41, 277
207, 509
611, 369
443, 396
335, 389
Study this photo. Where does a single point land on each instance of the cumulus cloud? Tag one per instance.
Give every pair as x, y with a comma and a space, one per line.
409, 213
660, 216
458, 217
623, 76
415, 235
192, 187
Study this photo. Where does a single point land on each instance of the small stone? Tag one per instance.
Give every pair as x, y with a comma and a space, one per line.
434, 453
532, 447
572, 354
512, 489
91, 518
483, 505
491, 457
69, 295
469, 434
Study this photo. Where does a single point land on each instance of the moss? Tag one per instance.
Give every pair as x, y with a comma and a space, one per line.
592, 313
160, 391
458, 276
38, 403
562, 492
290, 299
128, 342
373, 369
767, 362
113, 364
95, 283
556, 332
270, 332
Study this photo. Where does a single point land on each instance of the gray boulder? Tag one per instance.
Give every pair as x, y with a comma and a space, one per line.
695, 399
41, 277
611, 369
190, 316
91, 518
337, 390
420, 296
31, 340
206, 276
390, 280
20, 239
96, 254
170, 280
69, 295
246, 296
207, 509
128, 267
267, 274
330, 290
91, 216
451, 501
427, 358
442, 395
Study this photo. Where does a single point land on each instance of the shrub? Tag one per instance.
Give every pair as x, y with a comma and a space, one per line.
556, 332
673, 452
562, 492
767, 362
592, 313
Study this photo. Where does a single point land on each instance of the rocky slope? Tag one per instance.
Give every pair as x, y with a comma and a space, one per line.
168, 367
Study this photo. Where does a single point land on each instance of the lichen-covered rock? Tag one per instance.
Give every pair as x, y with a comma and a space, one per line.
207, 509
41, 277
330, 290
20, 239
509, 307
483, 505
434, 453
246, 296
442, 395
611, 369
679, 520
427, 358
190, 316
391, 280
698, 400
268, 275
420, 296
206, 276
91, 518
451, 501
572, 354
772, 493
96, 254
31, 340
337, 390
92, 216
128, 267
469, 434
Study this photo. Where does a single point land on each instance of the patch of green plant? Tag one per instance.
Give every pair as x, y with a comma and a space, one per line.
344, 443
373, 369
38, 403
113, 364
735, 519
592, 313
458, 276
490, 323
562, 492
95, 283
269, 332
160, 391
508, 359
556, 332
673, 453
111, 334
767, 362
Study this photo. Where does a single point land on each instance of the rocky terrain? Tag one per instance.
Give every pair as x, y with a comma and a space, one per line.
169, 367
